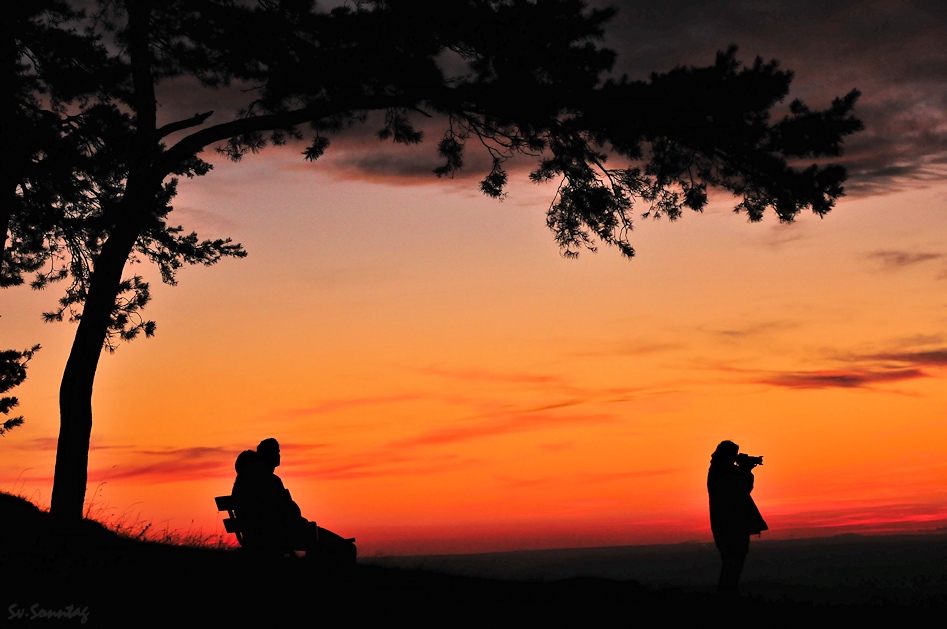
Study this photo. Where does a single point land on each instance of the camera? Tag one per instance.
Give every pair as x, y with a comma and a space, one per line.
745, 460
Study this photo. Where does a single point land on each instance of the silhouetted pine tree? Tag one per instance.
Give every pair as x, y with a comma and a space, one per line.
526, 78
12, 373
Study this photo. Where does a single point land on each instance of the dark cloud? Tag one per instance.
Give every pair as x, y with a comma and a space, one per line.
864, 371
912, 358
929, 358
889, 49
863, 513
402, 167
919, 340
184, 97
892, 50
904, 144
163, 465
899, 259
359, 155
169, 465
151, 465
839, 379
396, 166
196, 451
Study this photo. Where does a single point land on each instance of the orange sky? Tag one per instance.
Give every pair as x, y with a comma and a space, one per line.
442, 380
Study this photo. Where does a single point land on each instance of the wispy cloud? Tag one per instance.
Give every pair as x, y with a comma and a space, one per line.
825, 379
863, 370
631, 348
782, 234
867, 515
206, 222
584, 478
358, 155
567, 393
608, 477
484, 375
753, 330
331, 406
516, 423
168, 465
928, 358
38, 444
376, 465
894, 260
164, 465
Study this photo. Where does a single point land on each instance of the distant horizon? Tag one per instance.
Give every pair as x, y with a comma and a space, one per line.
491, 545
867, 537
496, 542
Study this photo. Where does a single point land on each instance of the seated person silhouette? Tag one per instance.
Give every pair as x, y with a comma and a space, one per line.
733, 514
270, 520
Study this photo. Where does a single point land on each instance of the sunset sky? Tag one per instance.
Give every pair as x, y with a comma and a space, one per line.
442, 380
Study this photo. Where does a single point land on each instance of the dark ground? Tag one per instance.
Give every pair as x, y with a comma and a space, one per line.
89, 572
907, 569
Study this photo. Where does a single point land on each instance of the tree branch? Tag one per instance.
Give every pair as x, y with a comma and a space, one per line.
196, 142
196, 120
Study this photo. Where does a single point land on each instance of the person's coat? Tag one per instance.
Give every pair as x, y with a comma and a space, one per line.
732, 510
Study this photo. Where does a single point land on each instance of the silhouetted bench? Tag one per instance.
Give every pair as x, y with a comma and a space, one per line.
226, 503
337, 549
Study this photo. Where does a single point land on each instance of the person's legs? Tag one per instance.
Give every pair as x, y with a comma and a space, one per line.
302, 535
323, 545
336, 549
733, 549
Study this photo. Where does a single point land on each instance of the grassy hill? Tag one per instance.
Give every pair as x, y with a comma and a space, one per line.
87, 571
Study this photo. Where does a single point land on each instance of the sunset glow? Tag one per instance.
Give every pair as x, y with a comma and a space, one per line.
442, 380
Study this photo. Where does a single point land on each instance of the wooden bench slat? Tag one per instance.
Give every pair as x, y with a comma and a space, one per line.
232, 526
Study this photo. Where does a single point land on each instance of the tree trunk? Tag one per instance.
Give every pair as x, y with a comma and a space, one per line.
5, 215
141, 190
75, 392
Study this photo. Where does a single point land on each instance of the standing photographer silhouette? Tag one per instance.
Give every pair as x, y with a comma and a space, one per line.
733, 514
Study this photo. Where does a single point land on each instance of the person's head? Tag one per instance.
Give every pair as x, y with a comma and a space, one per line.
268, 451
245, 461
725, 454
